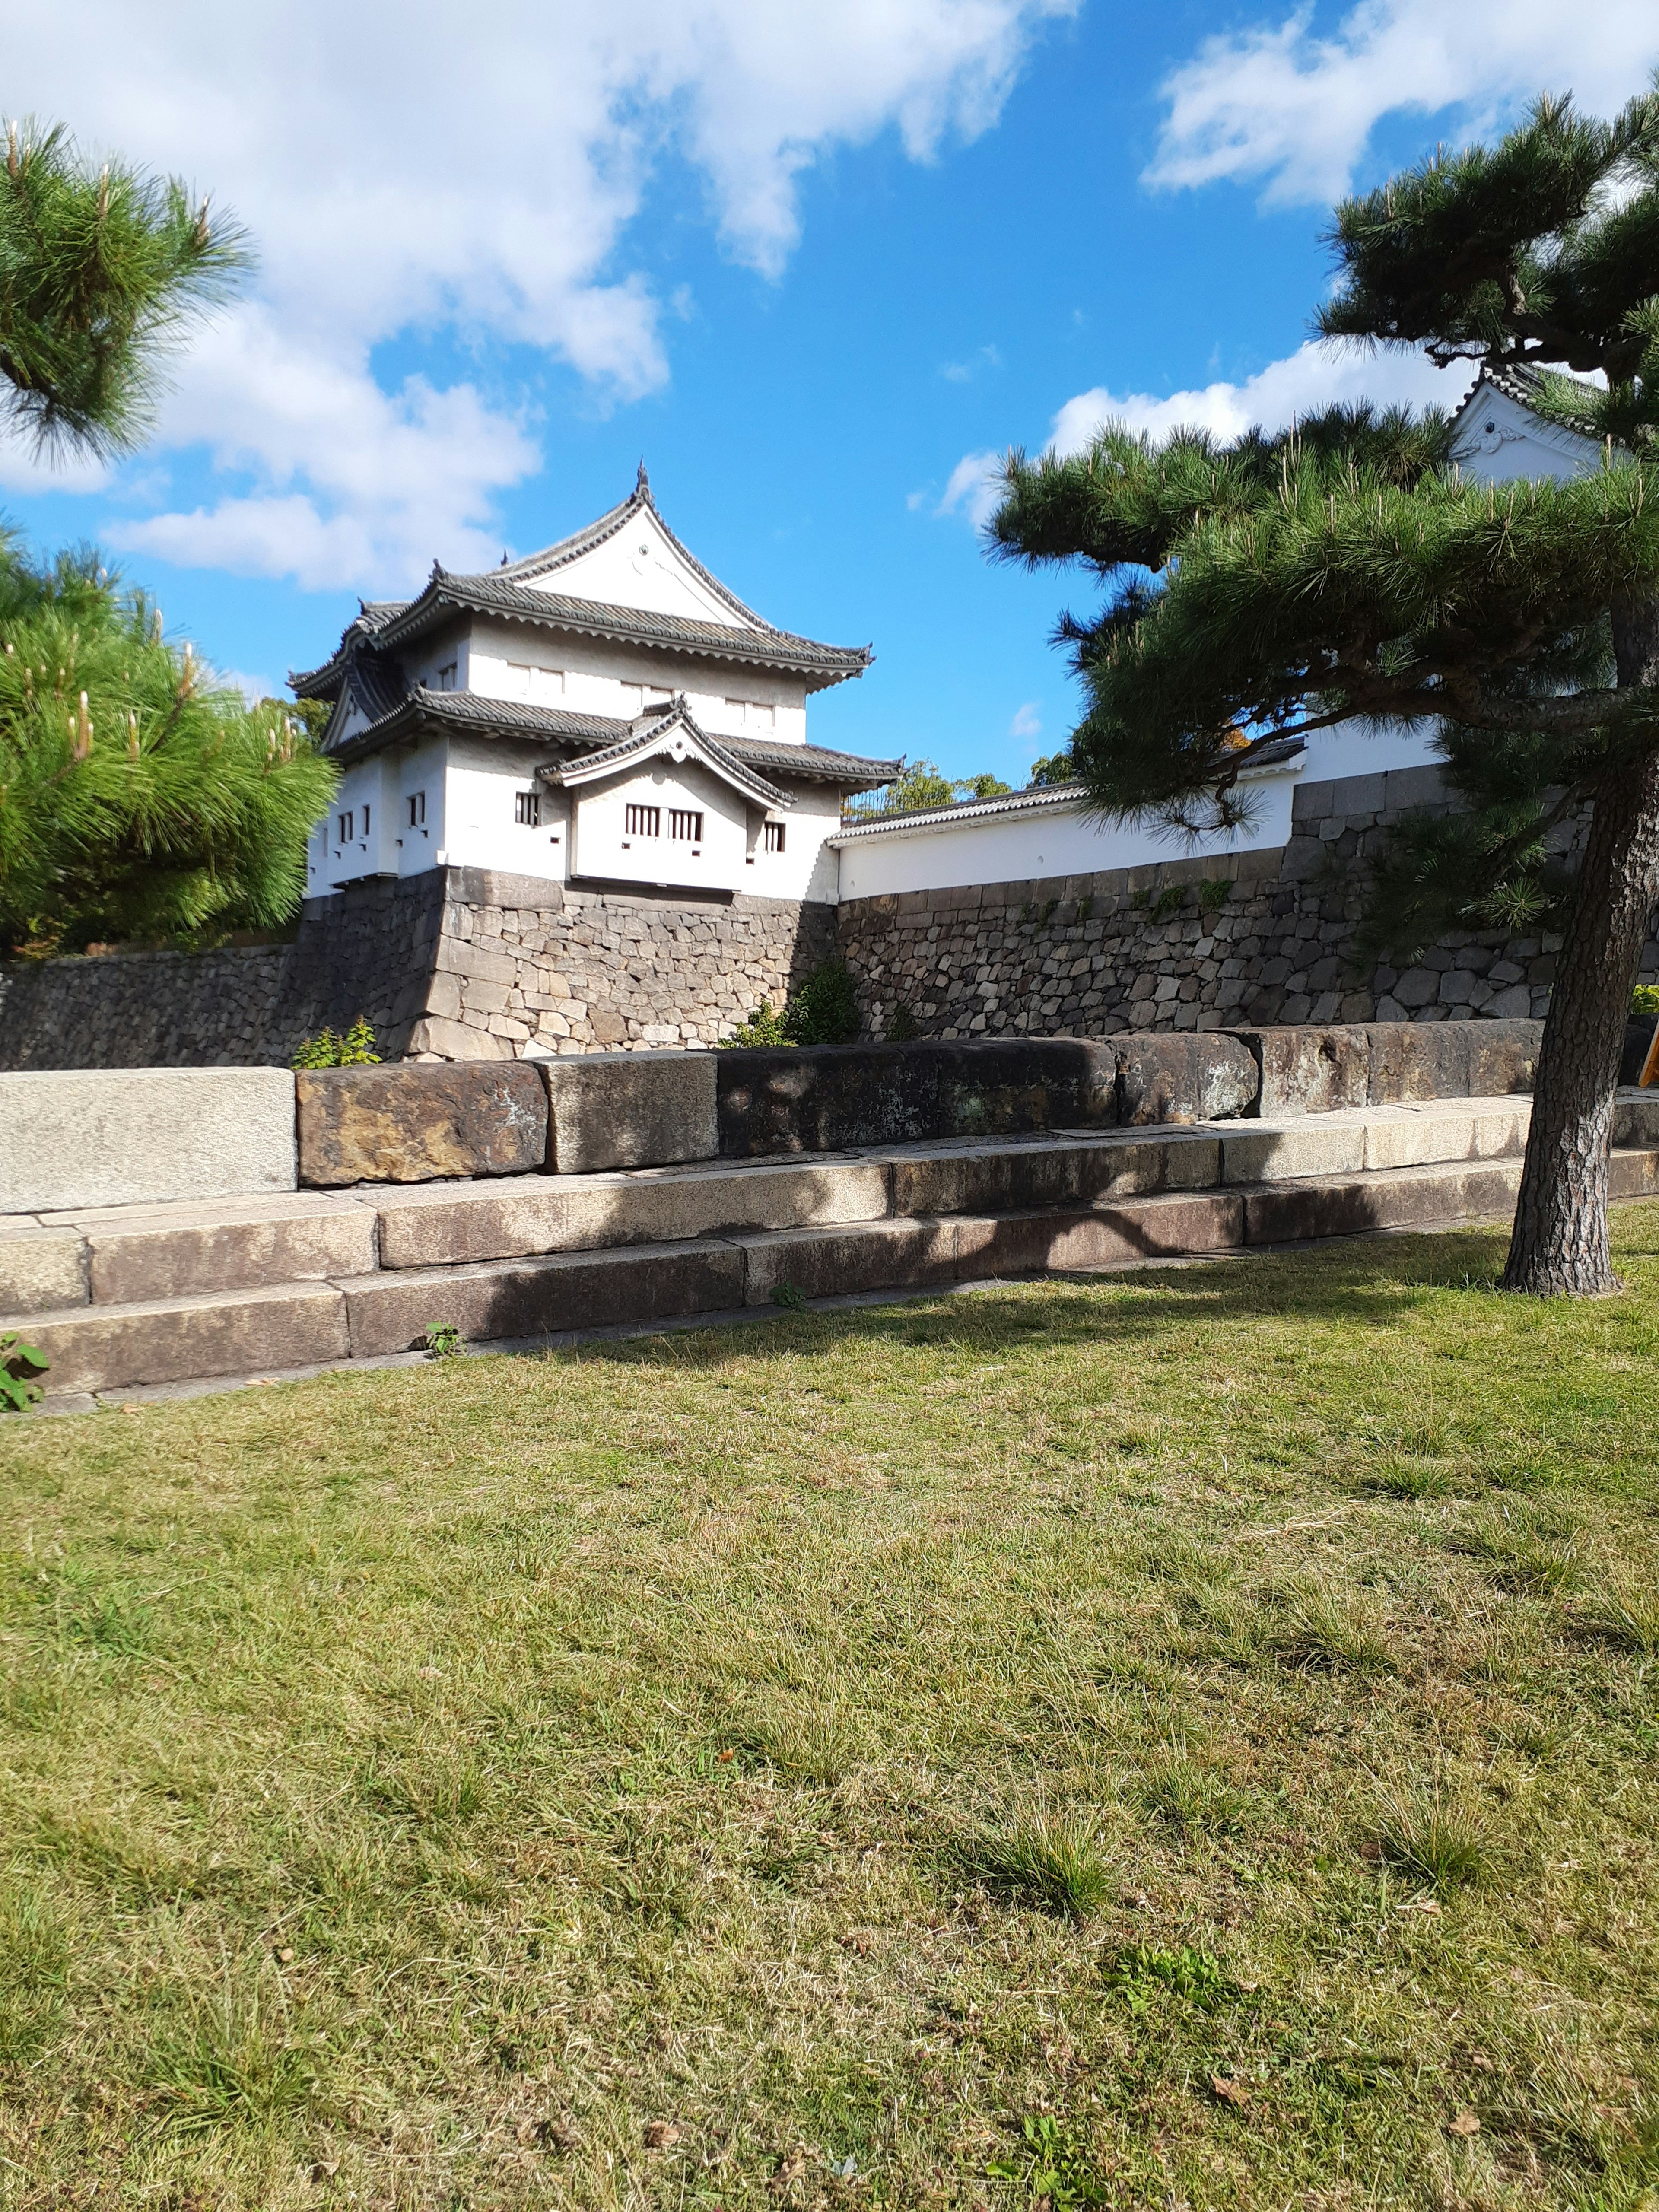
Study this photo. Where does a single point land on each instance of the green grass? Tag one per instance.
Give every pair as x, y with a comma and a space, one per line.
1182, 1740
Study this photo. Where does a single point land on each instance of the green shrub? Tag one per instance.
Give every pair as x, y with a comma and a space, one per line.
1645, 999
824, 1011
20, 1363
440, 1341
326, 1049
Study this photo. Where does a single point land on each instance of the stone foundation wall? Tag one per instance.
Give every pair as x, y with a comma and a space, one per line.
520, 965
1258, 938
461, 963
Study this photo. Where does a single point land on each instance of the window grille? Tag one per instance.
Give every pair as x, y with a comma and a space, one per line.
345, 828
775, 836
686, 822
447, 675
527, 809
644, 821
416, 809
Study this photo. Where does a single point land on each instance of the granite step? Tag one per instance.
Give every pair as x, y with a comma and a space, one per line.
370, 1313
134, 1254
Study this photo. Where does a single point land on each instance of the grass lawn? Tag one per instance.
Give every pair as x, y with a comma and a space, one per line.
1187, 1739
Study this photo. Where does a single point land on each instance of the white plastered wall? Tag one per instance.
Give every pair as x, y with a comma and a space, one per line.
483, 780
586, 676
1058, 840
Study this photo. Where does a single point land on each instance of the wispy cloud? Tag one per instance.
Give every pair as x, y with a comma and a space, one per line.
974, 488
964, 371
1027, 723
1280, 105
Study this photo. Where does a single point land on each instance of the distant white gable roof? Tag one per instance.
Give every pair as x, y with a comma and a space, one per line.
672, 735
1500, 436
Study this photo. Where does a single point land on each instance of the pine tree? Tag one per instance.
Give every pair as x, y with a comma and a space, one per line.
139, 799
1348, 569
102, 266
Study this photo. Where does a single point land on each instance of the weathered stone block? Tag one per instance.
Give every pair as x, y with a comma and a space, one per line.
41, 1268
1633, 1174
1636, 1117
875, 1255
1503, 1056
415, 1123
179, 1340
1289, 1149
142, 1254
130, 1136
1098, 1236
839, 1097
1410, 1137
630, 1109
1309, 1071
1411, 1198
430, 1224
1068, 1171
1197, 1076
543, 1296
1419, 1060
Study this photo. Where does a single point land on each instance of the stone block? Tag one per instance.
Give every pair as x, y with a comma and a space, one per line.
1633, 1174
1310, 1070
1503, 1056
874, 1255
181, 1340
429, 1226
41, 1268
1636, 1117
1098, 1236
630, 1109
544, 1297
1074, 1171
133, 1136
1294, 1148
140, 1254
840, 1097
415, 1123
1419, 1060
1410, 1198
1196, 1076
1410, 1137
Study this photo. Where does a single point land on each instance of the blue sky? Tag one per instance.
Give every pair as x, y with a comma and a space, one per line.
812, 274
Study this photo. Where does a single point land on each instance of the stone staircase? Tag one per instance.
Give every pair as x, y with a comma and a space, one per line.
135, 1295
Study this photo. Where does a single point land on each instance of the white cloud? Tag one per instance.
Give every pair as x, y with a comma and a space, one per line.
962, 372
253, 687
1278, 103
974, 488
1026, 722
403, 169
1315, 375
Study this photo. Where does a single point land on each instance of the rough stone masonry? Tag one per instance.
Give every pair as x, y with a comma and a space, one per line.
467, 964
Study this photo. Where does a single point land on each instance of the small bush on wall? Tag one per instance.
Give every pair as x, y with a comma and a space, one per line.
824, 1011
327, 1049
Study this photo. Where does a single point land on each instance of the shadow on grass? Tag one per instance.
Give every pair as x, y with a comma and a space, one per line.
1374, 1283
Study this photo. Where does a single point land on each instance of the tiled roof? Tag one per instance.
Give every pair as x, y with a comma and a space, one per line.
582, 733
1032, 801
649, 738
754, 642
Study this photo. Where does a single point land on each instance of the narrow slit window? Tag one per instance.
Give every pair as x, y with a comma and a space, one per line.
644, 822
527, 809
775, 836
365, 821
416, 809
345, 828
686, 822
447, 675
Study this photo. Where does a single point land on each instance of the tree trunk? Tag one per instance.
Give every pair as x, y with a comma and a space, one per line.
1559, 1244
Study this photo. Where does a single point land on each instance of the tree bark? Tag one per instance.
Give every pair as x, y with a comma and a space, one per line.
1558, 1247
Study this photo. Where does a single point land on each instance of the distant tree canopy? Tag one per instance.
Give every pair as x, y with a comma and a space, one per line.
139, 797
1054, 767
921, 786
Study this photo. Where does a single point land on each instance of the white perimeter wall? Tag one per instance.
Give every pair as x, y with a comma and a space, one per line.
1051, 841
